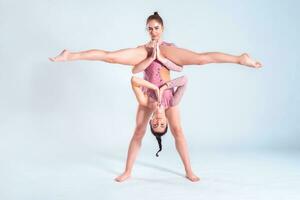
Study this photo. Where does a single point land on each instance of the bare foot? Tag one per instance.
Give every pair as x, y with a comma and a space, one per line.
63, 56
122, 177
247, 61
192, 177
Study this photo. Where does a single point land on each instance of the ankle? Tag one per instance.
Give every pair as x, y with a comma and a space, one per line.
128, 172
190, 171
240, 59
72, 56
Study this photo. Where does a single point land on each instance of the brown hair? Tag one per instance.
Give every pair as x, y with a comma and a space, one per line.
158, 137
155, 17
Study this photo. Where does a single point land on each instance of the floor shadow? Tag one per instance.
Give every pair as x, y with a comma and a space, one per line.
103, 157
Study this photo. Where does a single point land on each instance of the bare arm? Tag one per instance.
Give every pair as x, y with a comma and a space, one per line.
136, 83
180, 83
156, 55
146, 62
142, 65
169, 64
166, 62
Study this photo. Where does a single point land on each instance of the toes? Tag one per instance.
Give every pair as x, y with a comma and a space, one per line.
118, 179
121, 178
257, 64
193, 178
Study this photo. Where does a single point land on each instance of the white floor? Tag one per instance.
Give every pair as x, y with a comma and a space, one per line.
89, 175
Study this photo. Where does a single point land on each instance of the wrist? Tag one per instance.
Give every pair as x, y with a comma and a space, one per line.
162, 59
163, 87
151, 59
168, 84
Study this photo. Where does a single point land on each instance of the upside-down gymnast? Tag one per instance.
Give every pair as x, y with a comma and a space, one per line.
141, 58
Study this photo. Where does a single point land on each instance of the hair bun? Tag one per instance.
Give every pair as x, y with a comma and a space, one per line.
155, 13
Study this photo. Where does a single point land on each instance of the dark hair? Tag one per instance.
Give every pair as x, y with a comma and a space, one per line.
156, 17
158, 137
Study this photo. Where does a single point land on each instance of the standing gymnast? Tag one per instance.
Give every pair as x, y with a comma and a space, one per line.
134, 56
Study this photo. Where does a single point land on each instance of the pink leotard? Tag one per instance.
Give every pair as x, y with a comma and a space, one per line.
152, 74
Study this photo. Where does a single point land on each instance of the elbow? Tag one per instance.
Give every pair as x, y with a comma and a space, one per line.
180, 68
143, 103
185, 79
134, 70
132, 80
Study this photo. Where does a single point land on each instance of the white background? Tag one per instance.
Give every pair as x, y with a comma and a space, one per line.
51, 112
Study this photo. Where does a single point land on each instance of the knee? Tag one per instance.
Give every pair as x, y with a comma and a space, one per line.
177, 132
185, 80
110, 57
203, 58
139, 133
162, 50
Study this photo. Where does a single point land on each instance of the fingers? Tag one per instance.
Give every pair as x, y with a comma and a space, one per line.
153, 55
151, 44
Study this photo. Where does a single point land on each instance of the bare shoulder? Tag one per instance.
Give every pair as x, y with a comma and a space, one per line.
168, 44
142, 46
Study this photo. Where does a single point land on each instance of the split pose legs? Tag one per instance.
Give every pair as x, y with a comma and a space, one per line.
130, 56
134, 56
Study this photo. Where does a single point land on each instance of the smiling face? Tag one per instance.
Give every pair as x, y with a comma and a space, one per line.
159, 121
155, 29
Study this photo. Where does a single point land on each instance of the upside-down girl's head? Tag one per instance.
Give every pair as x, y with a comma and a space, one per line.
159, 125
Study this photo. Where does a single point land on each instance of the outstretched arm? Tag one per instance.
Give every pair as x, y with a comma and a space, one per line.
180, 83
136, 83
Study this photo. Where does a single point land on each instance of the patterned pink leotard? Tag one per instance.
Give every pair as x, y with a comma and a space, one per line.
152, 74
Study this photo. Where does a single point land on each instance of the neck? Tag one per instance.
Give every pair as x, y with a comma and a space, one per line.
159, 112
158, 40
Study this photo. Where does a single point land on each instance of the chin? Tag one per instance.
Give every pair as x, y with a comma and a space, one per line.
158, 111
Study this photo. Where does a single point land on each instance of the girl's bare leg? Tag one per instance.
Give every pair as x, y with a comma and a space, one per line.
183, 57
130, 56
172, 115
142, 119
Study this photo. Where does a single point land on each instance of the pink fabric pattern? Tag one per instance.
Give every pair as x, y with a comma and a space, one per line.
152, 74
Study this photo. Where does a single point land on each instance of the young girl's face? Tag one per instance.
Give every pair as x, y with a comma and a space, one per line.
154, 29
159, 121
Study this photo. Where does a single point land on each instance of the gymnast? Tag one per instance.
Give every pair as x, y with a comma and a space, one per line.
157, 57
